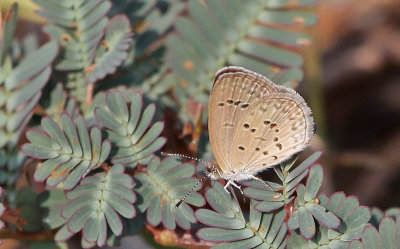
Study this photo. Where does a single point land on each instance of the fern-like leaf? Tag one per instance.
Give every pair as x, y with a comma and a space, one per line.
353, 217
161, 187
252, 34
229, 226
307, 208
92, 45
385, 237
70, 151
133, 137
117, 42
78, 26
21, 91
97, 205
290, 179
21, 83
156, 22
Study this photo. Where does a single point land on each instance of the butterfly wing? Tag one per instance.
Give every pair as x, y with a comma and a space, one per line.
234, 90
272, 130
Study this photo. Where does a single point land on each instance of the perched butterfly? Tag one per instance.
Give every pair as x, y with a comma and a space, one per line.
253, 124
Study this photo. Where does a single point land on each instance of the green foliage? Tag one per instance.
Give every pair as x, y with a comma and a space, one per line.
145, 68
386, 237
21, 81
134, 141
353, 217
52, 201
58, 101
354, 232
118, 39
21, 90
377, 215
271, 200
261, 230
342, 222
161, 187
246, 33
96, 149
96, 205
153, 18
79, 27
307, 210
70, 151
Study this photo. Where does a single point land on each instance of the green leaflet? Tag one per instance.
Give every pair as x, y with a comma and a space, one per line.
263, 230
239, 33
163, 185
97, 203
71, 151
129, 129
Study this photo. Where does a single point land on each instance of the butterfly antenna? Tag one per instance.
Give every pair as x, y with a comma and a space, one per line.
189, 192
187, 157
197, 183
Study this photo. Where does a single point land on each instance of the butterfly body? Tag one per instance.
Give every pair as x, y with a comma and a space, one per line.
254, 124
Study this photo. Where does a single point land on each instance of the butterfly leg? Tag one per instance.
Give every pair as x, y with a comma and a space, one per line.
227, 185
261, 180
237, 186
231, 182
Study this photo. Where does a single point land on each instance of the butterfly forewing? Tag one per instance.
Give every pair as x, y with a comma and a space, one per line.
233, 93
273, 129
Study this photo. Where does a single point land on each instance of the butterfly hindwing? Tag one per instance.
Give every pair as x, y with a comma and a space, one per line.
273, 129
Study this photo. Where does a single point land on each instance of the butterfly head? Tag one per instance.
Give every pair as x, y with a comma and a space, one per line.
213, 172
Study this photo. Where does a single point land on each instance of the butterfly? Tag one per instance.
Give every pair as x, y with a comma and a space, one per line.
254, 124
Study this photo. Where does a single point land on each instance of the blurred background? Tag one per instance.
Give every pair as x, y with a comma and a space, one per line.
352, 83
355, 60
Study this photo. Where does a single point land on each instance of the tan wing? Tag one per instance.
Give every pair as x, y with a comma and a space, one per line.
272, 130
234, 91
